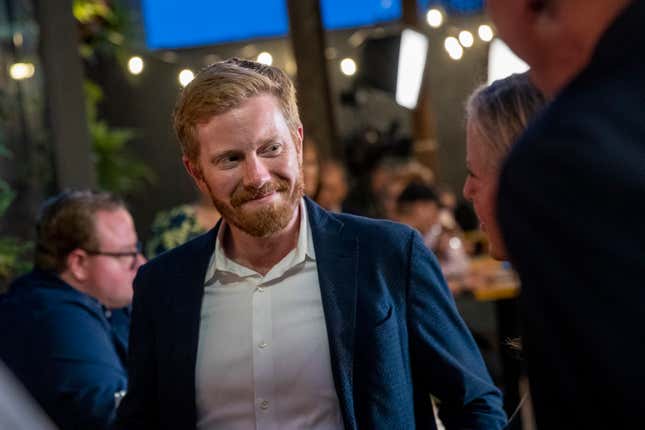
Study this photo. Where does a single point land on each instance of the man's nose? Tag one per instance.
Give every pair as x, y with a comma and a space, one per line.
256, 173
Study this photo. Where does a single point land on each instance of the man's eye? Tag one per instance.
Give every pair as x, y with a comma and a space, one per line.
272, 149
229, 161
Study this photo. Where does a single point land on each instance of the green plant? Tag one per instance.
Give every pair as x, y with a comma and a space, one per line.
102, 26
13, 251
6, 193
116, 169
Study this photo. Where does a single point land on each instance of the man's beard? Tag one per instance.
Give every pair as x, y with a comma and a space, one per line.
267, 219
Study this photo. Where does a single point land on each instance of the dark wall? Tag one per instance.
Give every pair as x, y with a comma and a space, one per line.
145, 103
451, 82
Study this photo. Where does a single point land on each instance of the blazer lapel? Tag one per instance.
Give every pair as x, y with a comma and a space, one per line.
184, 306
337, 261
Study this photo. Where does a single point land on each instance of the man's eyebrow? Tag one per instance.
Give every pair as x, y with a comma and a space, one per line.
227, 153
271, 139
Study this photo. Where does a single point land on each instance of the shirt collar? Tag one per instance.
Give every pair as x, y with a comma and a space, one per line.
304, 250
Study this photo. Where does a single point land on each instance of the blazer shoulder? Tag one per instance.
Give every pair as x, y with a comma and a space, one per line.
380, 231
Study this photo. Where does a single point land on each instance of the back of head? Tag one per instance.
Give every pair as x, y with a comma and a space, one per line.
311, 164
500, 112
66, 222
418, 207
416, 192
333, 185
224, 86
414, 171
557, 38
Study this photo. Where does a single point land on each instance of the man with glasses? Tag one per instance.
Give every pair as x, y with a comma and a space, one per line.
64, 326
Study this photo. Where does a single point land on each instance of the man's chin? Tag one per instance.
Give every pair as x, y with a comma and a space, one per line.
265, 220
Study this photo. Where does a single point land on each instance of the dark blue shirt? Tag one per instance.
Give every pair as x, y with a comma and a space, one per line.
67, 349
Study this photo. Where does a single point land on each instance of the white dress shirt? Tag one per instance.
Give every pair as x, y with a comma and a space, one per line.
263, 357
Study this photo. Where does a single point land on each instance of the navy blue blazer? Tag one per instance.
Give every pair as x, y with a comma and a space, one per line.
394, 332
65, 349
572, 205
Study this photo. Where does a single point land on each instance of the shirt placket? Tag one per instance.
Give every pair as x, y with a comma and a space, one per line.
263, 366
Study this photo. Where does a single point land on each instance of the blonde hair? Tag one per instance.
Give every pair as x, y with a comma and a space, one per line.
501, 111
224, 86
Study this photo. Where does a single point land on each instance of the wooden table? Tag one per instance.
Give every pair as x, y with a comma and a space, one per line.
488, 280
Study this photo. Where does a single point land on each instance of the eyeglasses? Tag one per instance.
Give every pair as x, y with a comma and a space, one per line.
131, 254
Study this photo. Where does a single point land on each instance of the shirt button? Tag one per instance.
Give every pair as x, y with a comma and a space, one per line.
263, 345
264, 404
260, 289
108, 313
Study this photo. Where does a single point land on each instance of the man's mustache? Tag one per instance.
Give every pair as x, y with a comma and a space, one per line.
244, 194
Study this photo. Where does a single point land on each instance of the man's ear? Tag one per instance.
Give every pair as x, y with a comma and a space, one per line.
195, 172
77, 265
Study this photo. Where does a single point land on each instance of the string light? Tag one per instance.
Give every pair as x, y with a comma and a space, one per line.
20, 71
348, 67
265, 58
17, 39
135, 65
434, 18
466, 39
454, 49
185, 76
485, 33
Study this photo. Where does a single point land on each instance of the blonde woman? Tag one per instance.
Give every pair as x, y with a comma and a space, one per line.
495, 117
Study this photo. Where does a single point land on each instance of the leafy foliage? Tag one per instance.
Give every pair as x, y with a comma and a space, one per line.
13, 260
116, 169
101, 26
13, 251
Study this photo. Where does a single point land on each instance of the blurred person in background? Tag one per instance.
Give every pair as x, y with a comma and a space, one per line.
404, 172
178, 225
447, 198
64, 326
571, 208
366, 196
418, 206
311, 168
496, 115
333, 186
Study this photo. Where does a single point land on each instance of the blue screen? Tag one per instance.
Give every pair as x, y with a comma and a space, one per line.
186, 23
456, 6
175, 24
338, 14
